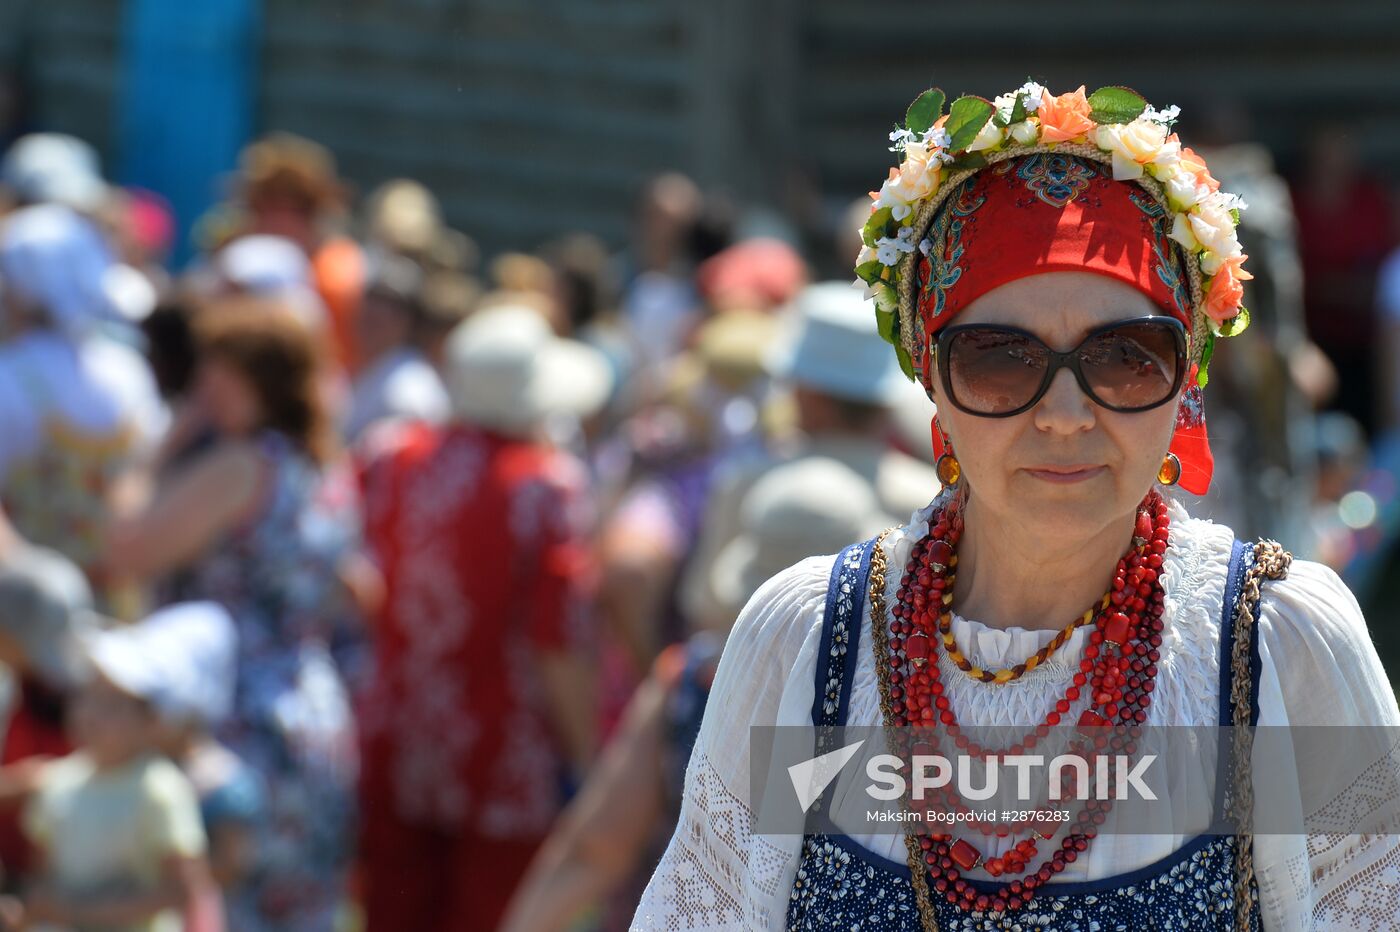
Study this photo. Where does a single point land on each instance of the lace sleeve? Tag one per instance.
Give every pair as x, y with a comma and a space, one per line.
1321, 668
716, 873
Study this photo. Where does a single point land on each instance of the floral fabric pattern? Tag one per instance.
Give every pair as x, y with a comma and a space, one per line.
291, 722
1054, 179
481, 540
839, 889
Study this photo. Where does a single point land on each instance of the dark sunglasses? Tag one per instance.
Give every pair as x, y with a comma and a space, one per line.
1129, 365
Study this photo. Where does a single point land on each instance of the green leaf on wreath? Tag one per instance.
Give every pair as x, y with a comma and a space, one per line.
966, 118
886, 322
906, 365
877, 226
869, 272
1116, 105
1201, 374
1235, 325
1018, 112
924, 111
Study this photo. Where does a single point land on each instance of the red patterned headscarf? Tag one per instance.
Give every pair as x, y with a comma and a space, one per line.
1050, 212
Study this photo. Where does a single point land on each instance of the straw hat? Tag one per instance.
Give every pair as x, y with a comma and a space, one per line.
404, 215
508, 371
814, 505
837, 348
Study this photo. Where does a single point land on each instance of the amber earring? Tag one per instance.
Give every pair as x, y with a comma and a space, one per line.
947, 466
949, 469
1170, 470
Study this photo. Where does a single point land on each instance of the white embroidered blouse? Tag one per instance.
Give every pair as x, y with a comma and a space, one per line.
1318, 667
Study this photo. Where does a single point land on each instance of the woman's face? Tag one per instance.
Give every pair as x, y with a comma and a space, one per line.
228, 398
1066, 463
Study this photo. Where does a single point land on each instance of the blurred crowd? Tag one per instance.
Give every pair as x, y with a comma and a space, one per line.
349, 580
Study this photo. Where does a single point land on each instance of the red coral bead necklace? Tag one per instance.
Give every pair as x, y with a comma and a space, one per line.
1118, 669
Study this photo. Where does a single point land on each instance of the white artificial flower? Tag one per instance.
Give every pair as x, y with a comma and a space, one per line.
887, 250
916, 179
1181, 232
901, 138
1132, 144
889, 196
913, 183
925, 245
1167, 163
1166, 117
1005, 105
903, 241
937, 138
988, 137
1215, 228
866, 254
1183, 192
1232, 201
1024, 132
1035, 93
1125, 169
1210, 263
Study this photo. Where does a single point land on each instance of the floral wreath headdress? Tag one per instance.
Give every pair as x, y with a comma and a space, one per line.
1114, 126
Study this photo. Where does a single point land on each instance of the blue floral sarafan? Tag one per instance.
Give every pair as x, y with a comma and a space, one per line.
842, 885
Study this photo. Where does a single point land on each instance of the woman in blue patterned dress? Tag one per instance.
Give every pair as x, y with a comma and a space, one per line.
1057, 578
260, 523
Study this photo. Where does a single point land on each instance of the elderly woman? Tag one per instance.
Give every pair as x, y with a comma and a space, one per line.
1057, 290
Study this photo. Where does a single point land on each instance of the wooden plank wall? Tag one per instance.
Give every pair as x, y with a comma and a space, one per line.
522, 131
531, 118
1288, 64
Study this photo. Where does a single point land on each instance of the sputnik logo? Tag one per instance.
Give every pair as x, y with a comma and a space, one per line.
811, 777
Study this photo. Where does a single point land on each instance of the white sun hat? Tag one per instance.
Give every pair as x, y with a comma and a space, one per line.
506, 370
54, 168
181, 659
56, 260
812, 505
263, 264
836, 347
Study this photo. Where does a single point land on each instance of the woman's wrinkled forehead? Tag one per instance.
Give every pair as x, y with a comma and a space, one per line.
1059, 307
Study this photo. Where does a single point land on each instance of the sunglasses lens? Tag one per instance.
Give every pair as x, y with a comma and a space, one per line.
994, 371
1133, 366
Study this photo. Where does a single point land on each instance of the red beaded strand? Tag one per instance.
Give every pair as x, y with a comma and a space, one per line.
1118, 669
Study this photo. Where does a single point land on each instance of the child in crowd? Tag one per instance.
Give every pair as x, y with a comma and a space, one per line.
116, 823
196, 644
45, 605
